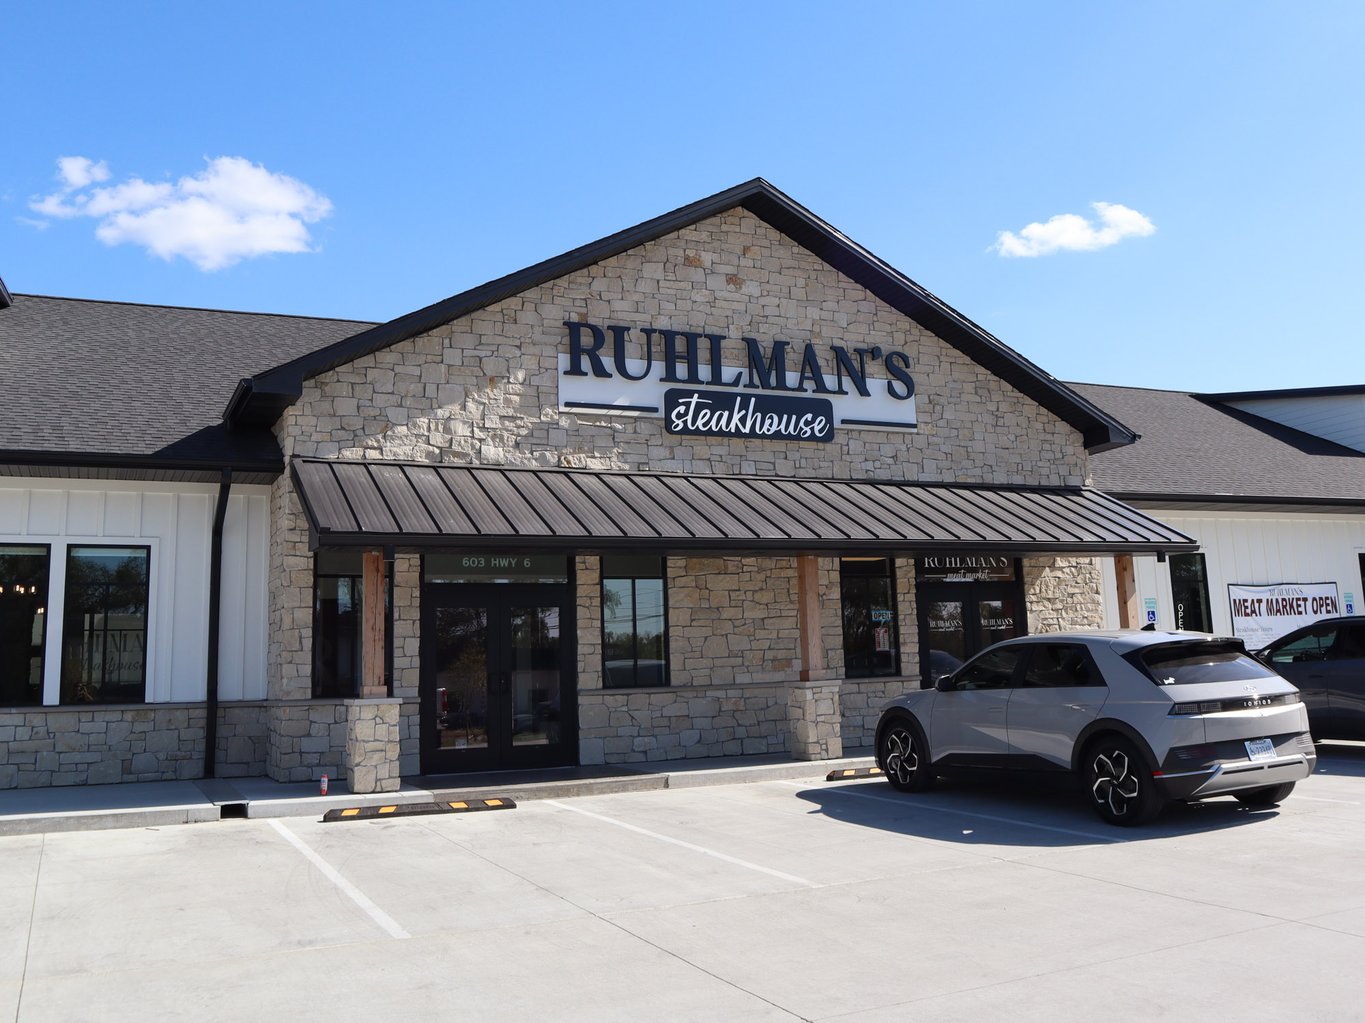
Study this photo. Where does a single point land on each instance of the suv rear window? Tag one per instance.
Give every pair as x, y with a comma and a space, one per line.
1175, 664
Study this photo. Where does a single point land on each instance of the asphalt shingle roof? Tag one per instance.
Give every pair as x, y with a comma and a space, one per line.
1193, 446
145, 381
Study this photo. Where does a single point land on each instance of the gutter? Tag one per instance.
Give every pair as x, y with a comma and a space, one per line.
215, 616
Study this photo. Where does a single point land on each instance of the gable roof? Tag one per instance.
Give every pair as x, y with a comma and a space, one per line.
261, 400
1194, 448
113, 386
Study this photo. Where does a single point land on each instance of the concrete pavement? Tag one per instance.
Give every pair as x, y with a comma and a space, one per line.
155, 804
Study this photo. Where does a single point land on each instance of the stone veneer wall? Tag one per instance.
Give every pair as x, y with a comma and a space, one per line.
484, 390
1063, 593
732, 620
148, 742
306, 739
241, 740
407, 664
621, 726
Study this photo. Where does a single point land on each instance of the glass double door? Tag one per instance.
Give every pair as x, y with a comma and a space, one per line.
498, 688
958, 620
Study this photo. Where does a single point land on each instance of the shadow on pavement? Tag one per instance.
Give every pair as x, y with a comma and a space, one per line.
1013, 813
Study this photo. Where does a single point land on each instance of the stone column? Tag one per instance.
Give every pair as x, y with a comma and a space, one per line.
814, 722
371, 758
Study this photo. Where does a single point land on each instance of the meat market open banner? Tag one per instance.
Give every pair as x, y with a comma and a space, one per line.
1264, 613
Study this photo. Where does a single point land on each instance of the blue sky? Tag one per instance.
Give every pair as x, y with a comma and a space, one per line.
363, 160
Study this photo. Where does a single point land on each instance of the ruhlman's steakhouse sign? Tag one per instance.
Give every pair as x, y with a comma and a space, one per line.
1261, 614
711, 385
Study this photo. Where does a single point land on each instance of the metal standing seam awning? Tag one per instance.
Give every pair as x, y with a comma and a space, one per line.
419, 505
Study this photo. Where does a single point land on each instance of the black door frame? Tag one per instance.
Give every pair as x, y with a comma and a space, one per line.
970, 594
500, 754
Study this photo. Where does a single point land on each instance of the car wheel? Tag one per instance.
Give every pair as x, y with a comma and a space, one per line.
1119, 782
904, 757
1268, 796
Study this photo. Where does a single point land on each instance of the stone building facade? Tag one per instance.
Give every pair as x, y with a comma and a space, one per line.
782, 622
482, 390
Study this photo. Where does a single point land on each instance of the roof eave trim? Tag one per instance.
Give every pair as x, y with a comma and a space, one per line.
1185, 498
106, 460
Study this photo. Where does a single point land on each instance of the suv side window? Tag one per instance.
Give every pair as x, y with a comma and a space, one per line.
1350, 643
1060, 665
992, 670
1311, 647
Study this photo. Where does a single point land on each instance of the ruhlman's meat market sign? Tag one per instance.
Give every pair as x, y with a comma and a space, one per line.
711, 385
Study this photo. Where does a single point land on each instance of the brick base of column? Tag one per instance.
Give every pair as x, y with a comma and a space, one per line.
371, 758
813, 720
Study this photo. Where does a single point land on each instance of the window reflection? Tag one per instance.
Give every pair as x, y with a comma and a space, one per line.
104, 632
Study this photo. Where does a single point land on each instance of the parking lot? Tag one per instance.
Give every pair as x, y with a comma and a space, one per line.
768, 901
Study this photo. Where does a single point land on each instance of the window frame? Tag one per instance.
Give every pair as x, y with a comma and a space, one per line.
890, 577
358, 580
666, 679
47, 619
69, 552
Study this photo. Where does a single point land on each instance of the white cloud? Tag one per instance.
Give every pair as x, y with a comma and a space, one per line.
1070, 232
78, 171
232, 210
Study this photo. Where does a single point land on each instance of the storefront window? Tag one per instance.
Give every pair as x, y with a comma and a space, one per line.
633, 622
104, 631
23, 624
868, 594
336, 624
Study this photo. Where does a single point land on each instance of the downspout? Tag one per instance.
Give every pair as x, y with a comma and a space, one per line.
215, 613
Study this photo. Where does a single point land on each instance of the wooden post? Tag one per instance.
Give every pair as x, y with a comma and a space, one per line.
808, 617
1126, 584
372, 594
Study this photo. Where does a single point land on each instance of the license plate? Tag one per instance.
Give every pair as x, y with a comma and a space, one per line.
1260, 749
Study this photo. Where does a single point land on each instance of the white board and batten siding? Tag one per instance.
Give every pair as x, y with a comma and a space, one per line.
1259, 548
176, 522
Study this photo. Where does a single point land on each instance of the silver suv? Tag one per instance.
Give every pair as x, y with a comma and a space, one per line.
1141, 718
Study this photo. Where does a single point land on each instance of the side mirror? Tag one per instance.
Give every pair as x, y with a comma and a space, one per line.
944, 683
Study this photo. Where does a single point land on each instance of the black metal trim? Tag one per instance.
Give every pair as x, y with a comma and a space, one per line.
604, 406
210, 468
878, 422
1334, 391
1099, 430
215, 615
1152, 496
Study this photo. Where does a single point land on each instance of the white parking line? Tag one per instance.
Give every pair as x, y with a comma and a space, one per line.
685, 845
388, 923
847, 791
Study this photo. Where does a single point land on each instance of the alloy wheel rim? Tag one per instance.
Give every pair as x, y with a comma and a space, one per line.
1115, 785
901, 759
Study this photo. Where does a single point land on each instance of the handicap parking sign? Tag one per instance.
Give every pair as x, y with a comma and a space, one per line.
1350, 602
1149, 605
